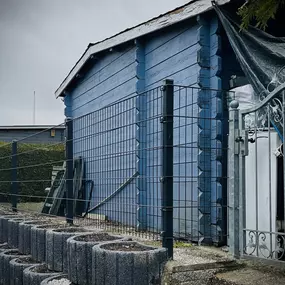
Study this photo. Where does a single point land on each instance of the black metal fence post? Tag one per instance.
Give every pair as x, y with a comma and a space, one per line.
167, 166
69, 171
14, 184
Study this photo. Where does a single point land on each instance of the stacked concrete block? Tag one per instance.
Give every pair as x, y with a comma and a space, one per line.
57, 280
56, 247
25, 234
79, 255
4, 226
38, 240
128, 263
17, 266
34, 275
5, 258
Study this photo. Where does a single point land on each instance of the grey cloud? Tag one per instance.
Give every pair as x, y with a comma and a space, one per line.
40, 41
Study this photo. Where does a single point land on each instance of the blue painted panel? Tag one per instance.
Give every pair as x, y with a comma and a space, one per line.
174, 56
111, 78
95, 103
216, 135
109, 149
106, 138
172, 48
105, 66
102, 88
109, 138
182, 61
185, 191
158, 39
185, 77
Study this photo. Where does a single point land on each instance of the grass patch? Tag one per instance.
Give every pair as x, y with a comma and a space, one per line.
180, 244
33, 207
153, 243
177, 244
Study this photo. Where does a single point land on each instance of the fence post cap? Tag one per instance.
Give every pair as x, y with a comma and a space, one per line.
168, 82
234, 104
68, 119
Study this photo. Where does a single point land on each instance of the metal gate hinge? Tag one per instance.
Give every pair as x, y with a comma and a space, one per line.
241, 142
239, 139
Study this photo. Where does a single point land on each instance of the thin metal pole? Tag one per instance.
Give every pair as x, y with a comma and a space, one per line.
256, 188
167, 166
283, 113
270, 178
14, 177
69, 171
242, 187
34, 109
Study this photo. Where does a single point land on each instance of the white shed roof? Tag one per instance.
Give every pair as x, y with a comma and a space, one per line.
191, 9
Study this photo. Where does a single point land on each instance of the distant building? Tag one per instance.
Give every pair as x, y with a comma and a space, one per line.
32, 133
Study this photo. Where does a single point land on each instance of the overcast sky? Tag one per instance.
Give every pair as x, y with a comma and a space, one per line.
41, 40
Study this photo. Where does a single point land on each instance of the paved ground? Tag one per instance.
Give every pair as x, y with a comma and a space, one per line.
250, 276
211, 266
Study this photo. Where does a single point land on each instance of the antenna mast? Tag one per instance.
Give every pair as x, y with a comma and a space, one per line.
34, 111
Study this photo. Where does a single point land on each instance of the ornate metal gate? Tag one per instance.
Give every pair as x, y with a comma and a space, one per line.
256, 178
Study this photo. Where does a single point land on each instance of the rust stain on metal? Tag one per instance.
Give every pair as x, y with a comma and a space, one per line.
177, 11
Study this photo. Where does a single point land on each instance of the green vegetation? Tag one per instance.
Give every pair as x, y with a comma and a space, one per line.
35, 162
180, 244
259, 12
30, 207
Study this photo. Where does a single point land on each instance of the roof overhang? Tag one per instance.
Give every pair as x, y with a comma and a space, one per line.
193, 8
31, 127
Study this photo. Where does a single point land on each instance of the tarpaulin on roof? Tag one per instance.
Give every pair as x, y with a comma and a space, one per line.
261, 56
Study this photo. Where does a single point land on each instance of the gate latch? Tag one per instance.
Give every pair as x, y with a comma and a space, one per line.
241, 142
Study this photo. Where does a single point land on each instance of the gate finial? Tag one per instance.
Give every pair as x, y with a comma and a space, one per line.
234, 104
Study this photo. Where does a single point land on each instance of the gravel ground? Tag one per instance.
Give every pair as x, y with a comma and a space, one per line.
62, 281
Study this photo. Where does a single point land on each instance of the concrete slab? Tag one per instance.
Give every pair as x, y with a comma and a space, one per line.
249, 276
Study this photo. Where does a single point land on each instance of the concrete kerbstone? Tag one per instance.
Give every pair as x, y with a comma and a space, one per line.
56, 247
38, 240
5, 258
127, 267
4, 246
13, 230
46, 281
16, 270
25, 234
79, 256
4, 226
30, 277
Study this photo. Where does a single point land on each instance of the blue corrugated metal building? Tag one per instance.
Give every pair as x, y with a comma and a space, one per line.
187, 45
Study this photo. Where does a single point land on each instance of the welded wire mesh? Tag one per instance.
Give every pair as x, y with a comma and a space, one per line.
117, 156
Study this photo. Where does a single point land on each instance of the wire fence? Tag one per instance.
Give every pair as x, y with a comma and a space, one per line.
152, 165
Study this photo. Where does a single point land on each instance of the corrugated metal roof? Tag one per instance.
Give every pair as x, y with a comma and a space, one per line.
191, 9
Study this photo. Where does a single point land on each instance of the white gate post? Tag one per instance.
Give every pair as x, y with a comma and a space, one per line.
233, 180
